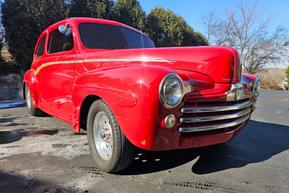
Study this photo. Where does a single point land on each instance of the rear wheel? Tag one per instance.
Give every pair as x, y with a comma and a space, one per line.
29, 103
110, 149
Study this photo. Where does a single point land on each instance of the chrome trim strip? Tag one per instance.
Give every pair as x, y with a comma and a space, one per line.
91, 60
214, 126
216, 108
215, 117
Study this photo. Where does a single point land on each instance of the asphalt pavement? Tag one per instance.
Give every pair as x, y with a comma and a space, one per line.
42, 154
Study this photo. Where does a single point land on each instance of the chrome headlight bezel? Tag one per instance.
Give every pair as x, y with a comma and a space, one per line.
162, 91
257, 87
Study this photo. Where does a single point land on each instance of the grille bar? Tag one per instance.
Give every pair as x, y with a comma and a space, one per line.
238, 106
215, 117
214, 126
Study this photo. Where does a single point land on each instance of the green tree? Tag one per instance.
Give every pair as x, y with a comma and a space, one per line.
92, 8
24, 20
167, 29
2, 63
131, 13
192, 38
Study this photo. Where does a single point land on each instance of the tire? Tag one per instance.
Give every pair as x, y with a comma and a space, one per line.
29, 104
110, 149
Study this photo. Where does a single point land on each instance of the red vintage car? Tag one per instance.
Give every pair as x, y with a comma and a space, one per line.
108, 79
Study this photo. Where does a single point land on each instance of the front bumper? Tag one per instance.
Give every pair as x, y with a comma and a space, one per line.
208, 122
205, 123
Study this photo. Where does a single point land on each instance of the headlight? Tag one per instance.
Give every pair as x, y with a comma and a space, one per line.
257, 87
171, 90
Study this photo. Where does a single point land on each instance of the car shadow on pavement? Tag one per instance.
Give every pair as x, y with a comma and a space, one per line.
258, 142
8, 119
148, 161
17, 134
18, 183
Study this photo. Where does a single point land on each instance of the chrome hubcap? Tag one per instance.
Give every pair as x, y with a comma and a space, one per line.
28, 99
103, 135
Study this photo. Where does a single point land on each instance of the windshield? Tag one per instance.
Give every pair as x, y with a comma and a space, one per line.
101, 36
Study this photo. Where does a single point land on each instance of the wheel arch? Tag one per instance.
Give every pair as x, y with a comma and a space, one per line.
30, 82
24, 84
84, 108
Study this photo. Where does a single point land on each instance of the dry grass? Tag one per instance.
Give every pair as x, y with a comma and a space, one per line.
6, 56
272, 78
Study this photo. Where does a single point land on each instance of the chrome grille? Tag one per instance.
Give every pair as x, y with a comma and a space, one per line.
206, 116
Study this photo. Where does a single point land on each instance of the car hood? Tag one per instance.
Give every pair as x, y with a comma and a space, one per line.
219, 63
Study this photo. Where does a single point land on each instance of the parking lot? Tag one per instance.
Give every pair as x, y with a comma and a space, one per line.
44, 155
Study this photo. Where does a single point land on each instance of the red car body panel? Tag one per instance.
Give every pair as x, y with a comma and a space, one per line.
128, 81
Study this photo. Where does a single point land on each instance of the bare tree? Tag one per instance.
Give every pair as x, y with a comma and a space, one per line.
247, 31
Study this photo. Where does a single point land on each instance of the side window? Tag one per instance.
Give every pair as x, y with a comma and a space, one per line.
41, 45
59, 42
137, 40
99, 36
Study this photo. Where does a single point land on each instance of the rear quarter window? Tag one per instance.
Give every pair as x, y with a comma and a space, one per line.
41, 46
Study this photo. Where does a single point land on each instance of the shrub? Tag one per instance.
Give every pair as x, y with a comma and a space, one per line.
287, 75
272, 78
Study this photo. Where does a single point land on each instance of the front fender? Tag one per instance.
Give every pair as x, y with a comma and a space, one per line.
132, 95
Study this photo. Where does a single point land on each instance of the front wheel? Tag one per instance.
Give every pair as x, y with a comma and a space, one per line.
110, 149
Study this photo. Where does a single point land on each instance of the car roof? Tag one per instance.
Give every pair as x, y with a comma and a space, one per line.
93, 20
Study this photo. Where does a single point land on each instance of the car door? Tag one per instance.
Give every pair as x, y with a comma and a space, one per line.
56, 73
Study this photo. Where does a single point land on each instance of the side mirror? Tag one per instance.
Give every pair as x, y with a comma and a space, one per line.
64, 30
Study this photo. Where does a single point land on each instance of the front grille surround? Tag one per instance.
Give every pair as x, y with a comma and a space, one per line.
209, 116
